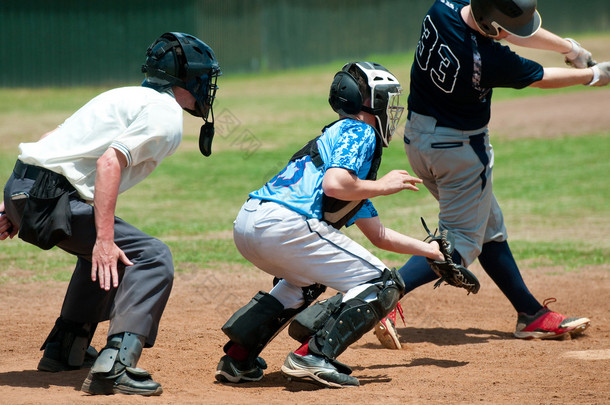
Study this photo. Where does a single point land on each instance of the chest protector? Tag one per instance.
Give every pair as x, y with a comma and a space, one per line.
337, 212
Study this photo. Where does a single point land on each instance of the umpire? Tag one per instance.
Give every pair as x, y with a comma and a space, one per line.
63, 192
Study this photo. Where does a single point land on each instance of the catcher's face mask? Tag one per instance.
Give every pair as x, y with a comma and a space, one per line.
387, 121
385, 98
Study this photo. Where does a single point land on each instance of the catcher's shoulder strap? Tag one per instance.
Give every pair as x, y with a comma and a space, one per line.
311, 149
338, 212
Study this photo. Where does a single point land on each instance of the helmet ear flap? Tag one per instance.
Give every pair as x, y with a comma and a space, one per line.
345, 97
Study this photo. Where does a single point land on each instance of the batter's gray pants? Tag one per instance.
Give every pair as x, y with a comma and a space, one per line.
137, 304
456, 167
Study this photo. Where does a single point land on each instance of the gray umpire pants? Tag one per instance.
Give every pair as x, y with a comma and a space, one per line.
137, 304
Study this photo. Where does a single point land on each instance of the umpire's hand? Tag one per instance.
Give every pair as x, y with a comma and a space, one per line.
7, 230
104, 263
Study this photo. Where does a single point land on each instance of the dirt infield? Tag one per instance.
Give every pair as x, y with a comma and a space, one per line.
456, 348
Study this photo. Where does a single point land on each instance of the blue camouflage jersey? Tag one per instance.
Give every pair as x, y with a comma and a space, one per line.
348, 144
455, 69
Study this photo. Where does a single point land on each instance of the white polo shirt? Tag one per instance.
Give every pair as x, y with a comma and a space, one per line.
141, 123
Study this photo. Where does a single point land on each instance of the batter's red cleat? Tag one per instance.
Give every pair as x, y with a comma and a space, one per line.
386, 331
546, 324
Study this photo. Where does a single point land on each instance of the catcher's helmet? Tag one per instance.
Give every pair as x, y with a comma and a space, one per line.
517, 17
346, 95
178, 59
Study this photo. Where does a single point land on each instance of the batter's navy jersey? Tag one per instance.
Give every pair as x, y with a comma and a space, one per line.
348, 144
455, 69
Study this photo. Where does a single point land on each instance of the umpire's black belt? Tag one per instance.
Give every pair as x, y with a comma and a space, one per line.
26, 171
47, 216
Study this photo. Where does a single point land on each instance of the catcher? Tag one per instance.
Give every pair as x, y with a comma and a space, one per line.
289, 228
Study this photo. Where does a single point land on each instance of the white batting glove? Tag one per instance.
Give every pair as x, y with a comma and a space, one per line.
578, 56
601, 74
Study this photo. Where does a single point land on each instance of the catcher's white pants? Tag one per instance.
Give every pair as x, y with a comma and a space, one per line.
301, 251
453, 173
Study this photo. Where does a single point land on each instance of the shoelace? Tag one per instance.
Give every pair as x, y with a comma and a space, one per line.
548, 301
399, 308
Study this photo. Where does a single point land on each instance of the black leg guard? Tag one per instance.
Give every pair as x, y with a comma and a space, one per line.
115, 370
67, 346
356, 316
122, 350
254, 325
310, 321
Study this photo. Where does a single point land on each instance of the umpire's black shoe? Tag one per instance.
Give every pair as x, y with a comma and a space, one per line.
231, 370
121, 380
318, 370
51, 359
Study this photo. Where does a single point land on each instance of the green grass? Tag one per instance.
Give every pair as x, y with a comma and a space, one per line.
567, 254
559, 176
546, 187
37, 101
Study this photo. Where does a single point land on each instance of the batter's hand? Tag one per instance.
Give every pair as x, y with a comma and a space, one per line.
7, 229
104, 263
398, 180
578, 56
601, 74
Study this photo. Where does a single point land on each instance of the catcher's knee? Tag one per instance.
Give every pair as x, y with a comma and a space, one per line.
259, 321
334, 324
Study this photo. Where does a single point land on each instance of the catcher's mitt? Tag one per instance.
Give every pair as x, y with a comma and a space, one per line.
448, 271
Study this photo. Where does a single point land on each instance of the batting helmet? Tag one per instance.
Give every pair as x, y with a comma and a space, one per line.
347, 96
517, 17
178, 59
